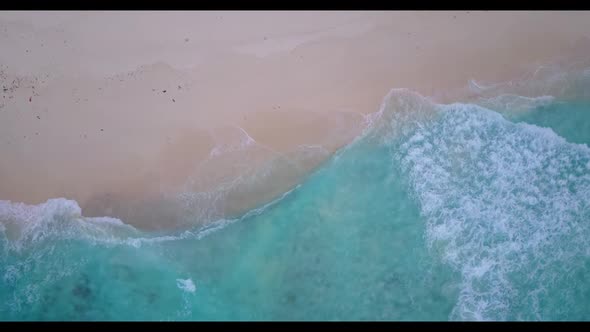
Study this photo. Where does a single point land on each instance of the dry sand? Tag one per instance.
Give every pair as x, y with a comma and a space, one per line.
114, 109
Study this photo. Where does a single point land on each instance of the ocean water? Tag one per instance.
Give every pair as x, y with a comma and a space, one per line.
464, 211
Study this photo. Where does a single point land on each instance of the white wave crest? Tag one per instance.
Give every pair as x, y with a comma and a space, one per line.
499, 199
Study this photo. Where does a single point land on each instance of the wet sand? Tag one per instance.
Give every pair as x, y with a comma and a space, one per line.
122, 111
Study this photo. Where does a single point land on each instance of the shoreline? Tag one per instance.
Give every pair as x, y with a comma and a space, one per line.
116, 144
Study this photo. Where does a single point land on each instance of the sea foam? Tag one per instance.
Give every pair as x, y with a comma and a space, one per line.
499, 199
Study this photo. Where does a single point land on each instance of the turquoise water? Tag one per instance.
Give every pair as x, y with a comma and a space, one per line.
437, 212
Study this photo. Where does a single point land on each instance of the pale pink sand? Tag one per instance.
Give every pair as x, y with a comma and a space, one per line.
98, 123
